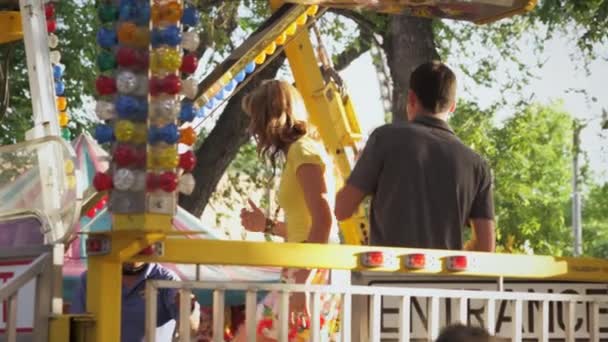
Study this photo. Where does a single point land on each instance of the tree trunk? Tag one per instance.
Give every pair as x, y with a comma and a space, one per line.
408, 43
223, 143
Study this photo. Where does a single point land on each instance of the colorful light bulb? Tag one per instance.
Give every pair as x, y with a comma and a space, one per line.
62, 103
49, 10
107, 13
165, 111
63, 119
124, 130
261, 58
301, 20
172, 84
281, 39
190, 17
190, 41
291, 29
167, 158
186, 184
190, 88
127, 33
126, 57
106, 61
312, 10
187, 161
105, 85
142, 37
51, 25
104, 134
53, 41
170, 59
187, 112
58, 71
139, 183
124, 155
66, 134
126, 82
55, 57
105, 110
270, 49
102, 181
59, 88
167, 181
187, 136
106, 38
140, 134
189, 64
123, 179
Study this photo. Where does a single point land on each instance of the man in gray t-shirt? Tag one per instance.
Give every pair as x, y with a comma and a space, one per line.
426, 184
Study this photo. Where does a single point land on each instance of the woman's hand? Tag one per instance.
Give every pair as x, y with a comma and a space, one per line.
253, 220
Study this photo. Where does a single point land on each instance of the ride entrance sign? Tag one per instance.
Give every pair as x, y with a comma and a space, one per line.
504, 314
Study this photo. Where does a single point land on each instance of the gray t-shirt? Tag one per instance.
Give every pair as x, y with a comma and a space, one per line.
426, 185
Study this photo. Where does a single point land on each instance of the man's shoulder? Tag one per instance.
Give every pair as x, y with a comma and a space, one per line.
161, 272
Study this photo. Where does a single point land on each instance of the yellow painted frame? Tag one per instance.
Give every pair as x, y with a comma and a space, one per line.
11, 28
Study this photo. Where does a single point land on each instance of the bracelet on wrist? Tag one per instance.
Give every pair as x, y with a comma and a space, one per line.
269, 227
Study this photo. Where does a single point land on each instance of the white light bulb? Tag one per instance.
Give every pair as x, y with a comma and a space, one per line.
126, 82
53, 41
105, 110
55, 57
123, 179
190, 88
139, 183
190, 41
186, 184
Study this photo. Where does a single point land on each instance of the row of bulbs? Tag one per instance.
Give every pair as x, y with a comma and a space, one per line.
145, 134
58, 70
225, 85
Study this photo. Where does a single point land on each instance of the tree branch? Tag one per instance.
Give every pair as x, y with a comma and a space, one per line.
223, 143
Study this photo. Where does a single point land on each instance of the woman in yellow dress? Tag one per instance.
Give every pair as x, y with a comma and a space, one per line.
279, 123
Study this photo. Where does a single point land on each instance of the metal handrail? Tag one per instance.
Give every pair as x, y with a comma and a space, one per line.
35, 268
40, 270
370, 330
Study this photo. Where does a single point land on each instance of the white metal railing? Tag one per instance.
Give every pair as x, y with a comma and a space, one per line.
375, 295
40, 270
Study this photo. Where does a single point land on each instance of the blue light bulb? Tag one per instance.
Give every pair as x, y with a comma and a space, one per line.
249, 68
191, 16
59, 88
58, 71
188, 112
104, 134
126, 106
240, 76
172, 35
106, 38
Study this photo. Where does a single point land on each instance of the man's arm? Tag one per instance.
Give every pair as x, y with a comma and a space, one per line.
485, 236
482, 214
347, 201
362, 181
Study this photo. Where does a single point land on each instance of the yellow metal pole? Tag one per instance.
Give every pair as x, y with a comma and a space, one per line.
328, 114
104, 293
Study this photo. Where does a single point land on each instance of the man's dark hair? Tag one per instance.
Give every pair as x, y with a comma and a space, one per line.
461, 333
435, 86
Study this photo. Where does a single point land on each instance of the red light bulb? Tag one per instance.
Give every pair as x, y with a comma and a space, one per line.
49, 10
126, 57
51, 25
187, 161
172, 84
189, 64
155, 86
102, 181
168, 181
143, 60
140, 158
124, 155
152, 182
105, 85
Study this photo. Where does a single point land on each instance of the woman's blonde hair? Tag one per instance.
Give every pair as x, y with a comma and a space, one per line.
278, 117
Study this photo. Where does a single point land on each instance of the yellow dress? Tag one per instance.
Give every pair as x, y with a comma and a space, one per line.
290, 195
298, 222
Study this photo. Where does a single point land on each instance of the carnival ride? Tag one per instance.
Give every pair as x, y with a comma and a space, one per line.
146, 101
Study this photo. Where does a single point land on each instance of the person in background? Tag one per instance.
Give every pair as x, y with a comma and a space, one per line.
133, 314
461, 333
279, 123
426, 185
